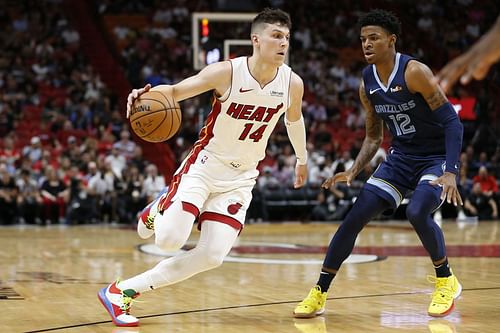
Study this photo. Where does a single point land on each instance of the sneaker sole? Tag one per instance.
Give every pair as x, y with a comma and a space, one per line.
107, 304
309, 315
444, 314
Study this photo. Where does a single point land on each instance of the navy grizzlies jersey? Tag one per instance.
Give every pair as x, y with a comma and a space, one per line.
407, 115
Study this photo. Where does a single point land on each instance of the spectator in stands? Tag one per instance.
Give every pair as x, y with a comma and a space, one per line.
323, 137
29, 200
267, 179
319, 170
116, 124
137, 159
131, 202
117, 162
344, 162
322, 210
80, 208
9, 154
482, 161
356, 147
488, 183
464, 182
109, 199
356, 120
316, 111
6, 119
34, 150
55, 196
100, 183
283, 172
331, 204
481, 205
378, 158
8, 196
287, 154
153, 184
70, 36
125, 146
72, 150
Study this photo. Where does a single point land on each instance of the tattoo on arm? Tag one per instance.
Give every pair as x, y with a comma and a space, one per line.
373, 138
362, 96
436, 99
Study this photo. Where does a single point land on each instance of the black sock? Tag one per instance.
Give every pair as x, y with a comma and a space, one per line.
443, 269
325, 279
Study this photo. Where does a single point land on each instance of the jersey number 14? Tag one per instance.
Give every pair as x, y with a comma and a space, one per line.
255, 135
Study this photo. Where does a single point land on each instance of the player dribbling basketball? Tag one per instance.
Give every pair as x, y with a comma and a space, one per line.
215, 180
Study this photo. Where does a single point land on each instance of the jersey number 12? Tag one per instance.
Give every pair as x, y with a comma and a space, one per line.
402, 123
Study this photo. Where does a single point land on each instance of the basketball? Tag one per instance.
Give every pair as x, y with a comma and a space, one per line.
155, 116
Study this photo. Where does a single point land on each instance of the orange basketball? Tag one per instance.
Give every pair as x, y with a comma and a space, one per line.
155, 116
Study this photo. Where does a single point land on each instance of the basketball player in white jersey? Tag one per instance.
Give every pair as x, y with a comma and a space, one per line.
214, 182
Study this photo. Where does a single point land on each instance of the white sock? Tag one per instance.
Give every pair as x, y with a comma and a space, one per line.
216, 240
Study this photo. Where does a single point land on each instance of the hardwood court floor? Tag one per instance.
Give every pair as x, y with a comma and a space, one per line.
49, 277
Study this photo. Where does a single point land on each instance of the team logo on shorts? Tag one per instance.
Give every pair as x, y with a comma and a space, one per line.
204, 159
233, 208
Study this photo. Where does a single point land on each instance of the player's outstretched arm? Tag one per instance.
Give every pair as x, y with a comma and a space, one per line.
371, 143
419, 79
475, 63
296, 130
216, 76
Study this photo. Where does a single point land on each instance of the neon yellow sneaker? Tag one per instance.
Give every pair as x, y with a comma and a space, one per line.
443, 297
313, 305
314, 325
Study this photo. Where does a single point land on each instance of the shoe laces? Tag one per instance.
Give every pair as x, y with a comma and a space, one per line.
443, 291
128, 298
313, 298
150, 222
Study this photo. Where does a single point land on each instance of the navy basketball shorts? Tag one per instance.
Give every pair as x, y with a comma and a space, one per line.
400, 174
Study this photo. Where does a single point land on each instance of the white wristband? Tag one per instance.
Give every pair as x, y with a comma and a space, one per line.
297, 134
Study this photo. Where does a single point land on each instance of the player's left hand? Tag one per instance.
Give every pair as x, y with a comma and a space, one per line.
300, 175
450, 191
134, 94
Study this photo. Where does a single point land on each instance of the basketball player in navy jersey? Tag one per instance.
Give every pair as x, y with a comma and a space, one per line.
214, 182
399, 92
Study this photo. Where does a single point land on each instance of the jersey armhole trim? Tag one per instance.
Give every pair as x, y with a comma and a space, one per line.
227, 93
288, 101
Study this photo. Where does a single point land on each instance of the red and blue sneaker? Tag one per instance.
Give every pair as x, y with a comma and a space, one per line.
118, 302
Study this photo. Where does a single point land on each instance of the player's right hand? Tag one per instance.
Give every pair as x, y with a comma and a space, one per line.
133, 96
450, 191
345, 176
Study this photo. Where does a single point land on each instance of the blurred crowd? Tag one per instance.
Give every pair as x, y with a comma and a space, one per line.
66, 155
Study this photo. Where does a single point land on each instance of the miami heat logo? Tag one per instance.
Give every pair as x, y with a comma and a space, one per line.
233, 208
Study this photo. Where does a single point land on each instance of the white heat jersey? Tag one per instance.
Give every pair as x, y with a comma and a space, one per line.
241, 121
